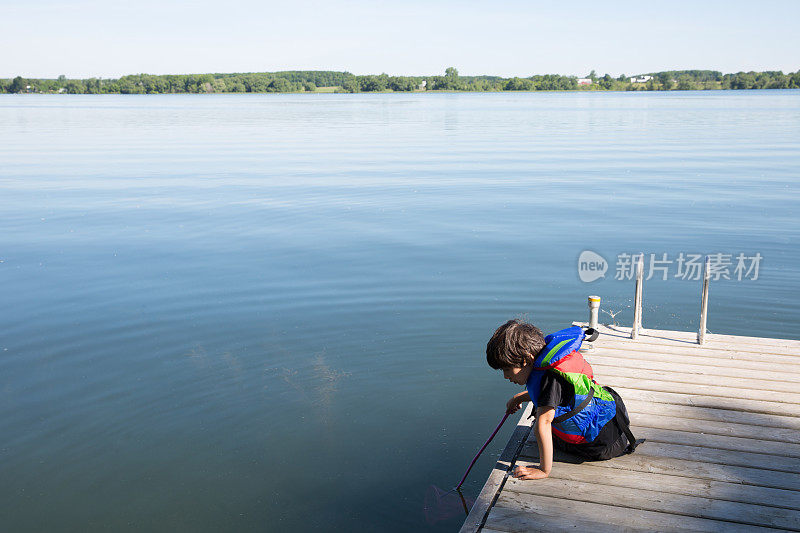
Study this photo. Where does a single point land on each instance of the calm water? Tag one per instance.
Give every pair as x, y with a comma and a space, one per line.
269, 312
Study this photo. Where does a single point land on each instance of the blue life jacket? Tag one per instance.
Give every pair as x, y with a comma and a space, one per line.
592, 406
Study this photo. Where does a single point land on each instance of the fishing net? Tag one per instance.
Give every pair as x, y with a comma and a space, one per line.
441, 505
444, 505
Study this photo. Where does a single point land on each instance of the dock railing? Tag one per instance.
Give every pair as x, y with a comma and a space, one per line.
638, 296
701, 333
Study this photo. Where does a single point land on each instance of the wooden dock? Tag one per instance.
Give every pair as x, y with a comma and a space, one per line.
722, 423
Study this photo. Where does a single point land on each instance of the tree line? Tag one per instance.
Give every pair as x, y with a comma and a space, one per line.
331, 81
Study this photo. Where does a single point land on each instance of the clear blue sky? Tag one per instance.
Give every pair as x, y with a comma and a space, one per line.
108, 38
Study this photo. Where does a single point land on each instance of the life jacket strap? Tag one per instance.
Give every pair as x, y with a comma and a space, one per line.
632, 442
619, 420
576, 410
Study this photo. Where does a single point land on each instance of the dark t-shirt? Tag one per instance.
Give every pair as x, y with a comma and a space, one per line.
555, 390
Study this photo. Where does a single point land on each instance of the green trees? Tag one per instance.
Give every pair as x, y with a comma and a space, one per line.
18, 85
373, 83
741, 80
258, 84
279, 85
519, 84
686, 83
403, 83
235, 85
665, 79
606, 82
350, 84
451, 81
311, 80
75, 87
451, 78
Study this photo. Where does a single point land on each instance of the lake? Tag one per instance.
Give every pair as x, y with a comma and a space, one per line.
269, 312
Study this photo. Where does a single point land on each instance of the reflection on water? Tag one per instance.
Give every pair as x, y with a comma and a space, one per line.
217, 305
441, 505
326, 380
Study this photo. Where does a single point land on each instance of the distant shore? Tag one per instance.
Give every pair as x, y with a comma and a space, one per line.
321, 81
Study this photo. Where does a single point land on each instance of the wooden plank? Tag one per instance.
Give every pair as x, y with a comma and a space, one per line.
679, 467
652, 340
681, 356
714, 340
516, 512
508, 516
580, 491
757, 342
725, 457
710, 455
743, 351
723, 416
713, 402
758, 398
719, 442
494, 483
706, 488
780, 436
702, 354
599, 359
736, 386
681, 336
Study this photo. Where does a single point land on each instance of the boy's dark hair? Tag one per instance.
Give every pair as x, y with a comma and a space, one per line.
514, 344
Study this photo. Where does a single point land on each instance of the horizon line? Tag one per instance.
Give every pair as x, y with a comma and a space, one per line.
390, 75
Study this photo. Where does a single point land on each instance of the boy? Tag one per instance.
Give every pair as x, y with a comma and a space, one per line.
572, 411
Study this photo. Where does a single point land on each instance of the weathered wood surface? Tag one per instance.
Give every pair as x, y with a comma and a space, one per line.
722, 424
729, 403
662, 337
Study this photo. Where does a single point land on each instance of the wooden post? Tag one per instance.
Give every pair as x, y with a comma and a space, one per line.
594, 311
701, 333
637, 298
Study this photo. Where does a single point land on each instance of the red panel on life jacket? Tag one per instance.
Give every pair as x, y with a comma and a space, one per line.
574, 363
567, 437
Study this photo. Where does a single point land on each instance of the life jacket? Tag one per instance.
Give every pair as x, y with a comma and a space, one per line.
592, 406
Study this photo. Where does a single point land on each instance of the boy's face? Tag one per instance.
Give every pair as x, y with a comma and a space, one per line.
518, 375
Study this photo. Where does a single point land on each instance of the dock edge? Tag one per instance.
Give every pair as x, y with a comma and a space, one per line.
494, 484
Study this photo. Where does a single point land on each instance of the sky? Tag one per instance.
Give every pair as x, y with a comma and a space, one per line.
110, 38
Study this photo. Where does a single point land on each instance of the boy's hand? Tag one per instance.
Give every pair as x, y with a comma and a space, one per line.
528, 472
512, 405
